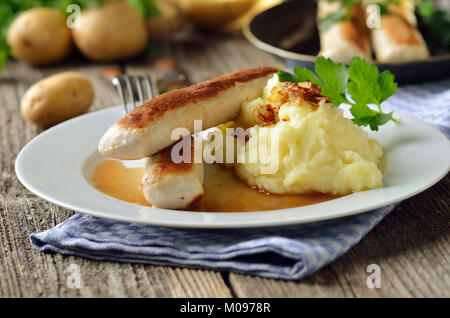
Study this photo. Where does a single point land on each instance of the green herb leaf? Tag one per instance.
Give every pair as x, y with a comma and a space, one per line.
439, 26
3, 58
300, 75
373, 119
287, 77
331, 78
425, 8
364, 86
332, 18
367, 86
388, 86
334, 78
362, 81
147, 8
305, 74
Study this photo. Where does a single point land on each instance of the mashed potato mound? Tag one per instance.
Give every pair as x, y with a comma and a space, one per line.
319, 149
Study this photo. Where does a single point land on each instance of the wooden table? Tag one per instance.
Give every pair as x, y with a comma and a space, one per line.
411, 245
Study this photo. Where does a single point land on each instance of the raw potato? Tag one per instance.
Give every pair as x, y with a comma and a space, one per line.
171, 20
57, 98
114, 31
40, 36
210, 15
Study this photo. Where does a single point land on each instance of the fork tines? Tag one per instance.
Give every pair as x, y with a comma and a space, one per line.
131, 88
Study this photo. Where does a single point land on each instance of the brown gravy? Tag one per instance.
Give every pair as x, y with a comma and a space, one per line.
224, 192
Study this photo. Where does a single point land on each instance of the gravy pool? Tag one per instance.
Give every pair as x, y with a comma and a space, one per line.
224, 192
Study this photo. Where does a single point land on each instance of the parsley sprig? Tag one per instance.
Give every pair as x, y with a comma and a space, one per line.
360, 80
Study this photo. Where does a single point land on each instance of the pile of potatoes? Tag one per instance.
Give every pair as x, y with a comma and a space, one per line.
112, 32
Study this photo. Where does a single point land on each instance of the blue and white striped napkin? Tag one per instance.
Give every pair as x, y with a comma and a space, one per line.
289, 252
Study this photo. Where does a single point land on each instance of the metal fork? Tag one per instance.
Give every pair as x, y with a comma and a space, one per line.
132, 86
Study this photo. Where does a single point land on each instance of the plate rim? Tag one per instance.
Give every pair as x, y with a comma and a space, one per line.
256, 222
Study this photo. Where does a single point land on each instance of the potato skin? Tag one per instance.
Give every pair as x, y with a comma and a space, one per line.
57, 98
171, 20
40, 36
115, 31
211, 15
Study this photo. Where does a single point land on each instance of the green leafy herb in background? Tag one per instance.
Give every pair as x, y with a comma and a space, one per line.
10, 9
145, 7
361, 80
343, 12
437, 21
339, 15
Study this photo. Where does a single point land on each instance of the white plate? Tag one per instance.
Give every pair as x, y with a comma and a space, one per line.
56, 166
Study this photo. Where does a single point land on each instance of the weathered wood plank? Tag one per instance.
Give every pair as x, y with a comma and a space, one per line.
411, 246
27, 273
205, 56
15, 79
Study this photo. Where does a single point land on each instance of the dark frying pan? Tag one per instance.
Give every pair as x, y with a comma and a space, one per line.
289, 30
